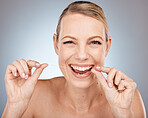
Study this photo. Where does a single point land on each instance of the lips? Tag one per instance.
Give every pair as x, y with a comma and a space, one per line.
81, 71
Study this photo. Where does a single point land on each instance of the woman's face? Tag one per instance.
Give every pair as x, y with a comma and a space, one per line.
80, 47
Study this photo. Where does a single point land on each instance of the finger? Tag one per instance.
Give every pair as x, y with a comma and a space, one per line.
111, 76
103, 69
11, 71
118, 78
130, 85
130, 88
110, 72
100, 77
37, 73
25, 67
125, 84
32, 63
20, 69
121, 85
128, 78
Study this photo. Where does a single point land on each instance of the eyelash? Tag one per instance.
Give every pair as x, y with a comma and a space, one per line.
96, 42
92, 42
68, 42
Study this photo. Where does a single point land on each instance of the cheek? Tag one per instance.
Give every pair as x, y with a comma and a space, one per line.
64, 54
98, 55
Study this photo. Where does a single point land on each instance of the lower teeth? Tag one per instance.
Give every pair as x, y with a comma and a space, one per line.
80, 73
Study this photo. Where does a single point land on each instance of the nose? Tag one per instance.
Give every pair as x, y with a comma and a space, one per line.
81, 53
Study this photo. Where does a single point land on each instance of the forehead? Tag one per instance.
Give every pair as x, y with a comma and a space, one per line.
80, 25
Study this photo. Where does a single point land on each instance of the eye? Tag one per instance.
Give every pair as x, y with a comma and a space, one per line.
67, 42
96, 42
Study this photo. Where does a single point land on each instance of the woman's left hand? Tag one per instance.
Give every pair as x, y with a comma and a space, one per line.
119, 89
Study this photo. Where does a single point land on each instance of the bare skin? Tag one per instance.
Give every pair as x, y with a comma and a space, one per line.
48, 100
73, 96
58, 105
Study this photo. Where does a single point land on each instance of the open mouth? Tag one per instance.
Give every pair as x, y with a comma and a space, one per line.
81, 70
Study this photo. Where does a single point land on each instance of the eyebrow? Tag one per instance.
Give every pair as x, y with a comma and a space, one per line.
92, 37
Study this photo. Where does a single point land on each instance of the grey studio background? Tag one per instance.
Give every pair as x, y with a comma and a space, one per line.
27, 27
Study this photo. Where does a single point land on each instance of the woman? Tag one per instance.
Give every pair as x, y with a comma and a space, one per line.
81, 43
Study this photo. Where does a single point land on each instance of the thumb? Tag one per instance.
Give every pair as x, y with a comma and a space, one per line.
100, 77
37, 73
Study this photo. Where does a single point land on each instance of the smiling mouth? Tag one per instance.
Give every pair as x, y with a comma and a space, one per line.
81, 69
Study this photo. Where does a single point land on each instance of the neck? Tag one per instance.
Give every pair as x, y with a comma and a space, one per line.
82, 100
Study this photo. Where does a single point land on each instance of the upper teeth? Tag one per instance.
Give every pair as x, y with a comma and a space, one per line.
81, 68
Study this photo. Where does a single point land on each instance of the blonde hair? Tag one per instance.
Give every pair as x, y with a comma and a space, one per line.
86, 8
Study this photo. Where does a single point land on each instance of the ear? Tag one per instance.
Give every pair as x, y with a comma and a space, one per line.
108, 45
55, 44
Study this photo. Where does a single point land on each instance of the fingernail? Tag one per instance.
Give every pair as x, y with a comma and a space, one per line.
37, 64
23, 75
26, 77
15, 74
109, 84
46, 65
98, 68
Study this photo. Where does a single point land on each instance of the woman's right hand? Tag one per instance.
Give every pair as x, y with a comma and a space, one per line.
20, 82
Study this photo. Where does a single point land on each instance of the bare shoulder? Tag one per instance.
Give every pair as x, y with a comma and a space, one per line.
49, 85
138, 105
47, 89
44, 96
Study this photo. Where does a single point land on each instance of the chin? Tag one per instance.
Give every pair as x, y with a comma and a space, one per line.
82, 83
